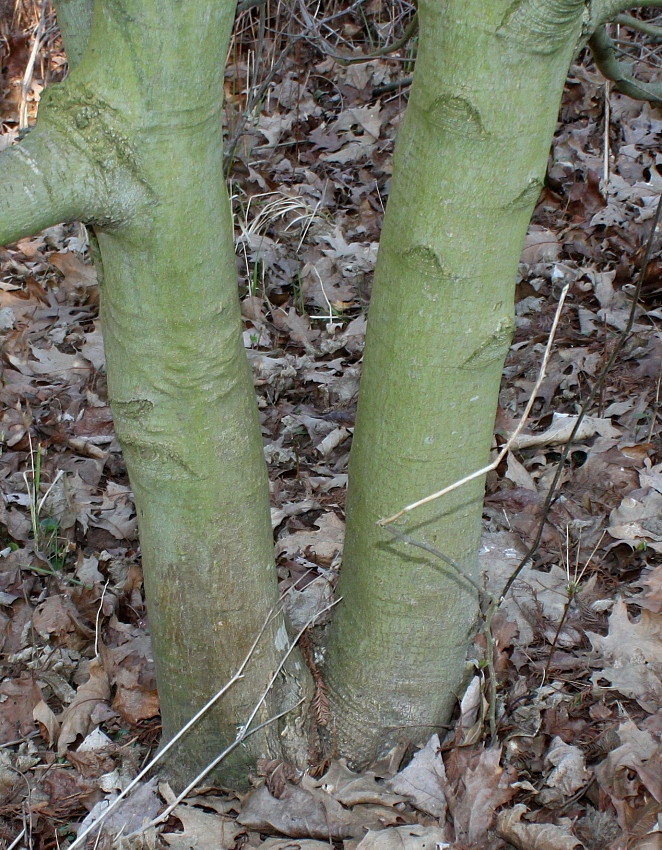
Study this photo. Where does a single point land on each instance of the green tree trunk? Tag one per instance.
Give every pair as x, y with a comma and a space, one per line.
131, 142
469, 165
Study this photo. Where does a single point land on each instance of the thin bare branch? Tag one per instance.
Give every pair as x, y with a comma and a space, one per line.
171, 743
245, 5
410, 31
245, 733
254, 99
244, 730
26, 82
620, 342
602, 11
352, 59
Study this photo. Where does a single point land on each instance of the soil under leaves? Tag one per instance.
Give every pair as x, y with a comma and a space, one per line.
577, 643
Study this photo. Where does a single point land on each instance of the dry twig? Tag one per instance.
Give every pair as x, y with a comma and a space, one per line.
244, 729
180, 734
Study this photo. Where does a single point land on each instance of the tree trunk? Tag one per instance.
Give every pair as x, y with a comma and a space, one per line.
469, 166
132, 143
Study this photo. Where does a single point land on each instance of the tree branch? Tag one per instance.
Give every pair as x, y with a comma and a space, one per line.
245, 5
65, 170
605, 59
543, 27
75, 165
602, 11
409, 32
643, 26
39, 188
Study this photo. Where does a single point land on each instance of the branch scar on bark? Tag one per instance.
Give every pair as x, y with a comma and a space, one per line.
133, 430
527, 197
133, 409
160, 457
491, 349
541, 26
457, 117
425, 261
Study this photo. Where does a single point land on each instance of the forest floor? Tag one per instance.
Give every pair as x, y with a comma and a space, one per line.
576, 761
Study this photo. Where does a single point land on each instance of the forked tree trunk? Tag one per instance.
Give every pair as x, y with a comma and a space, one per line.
131, 142
469, 166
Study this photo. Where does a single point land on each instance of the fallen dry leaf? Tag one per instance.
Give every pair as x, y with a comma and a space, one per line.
629, 769
651, 595
62, 789
202, 830
473, 707
533, 836
423, 780
637, 519
517, 473
351, 788
49, 725
632, 655
133, 701
93, 350
76, 273
332, 441
130, 669
58, 619
561, 428
18, 699
140, 807
87, 570
570, 771
76, 717
321, 546
117, 513
540, 245
305, 606
414, 837
299, 813
483, 787
53, 362
536, 597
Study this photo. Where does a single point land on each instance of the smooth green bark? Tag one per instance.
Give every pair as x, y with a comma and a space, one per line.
74, 19
132, 144
469, 164
601, 11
